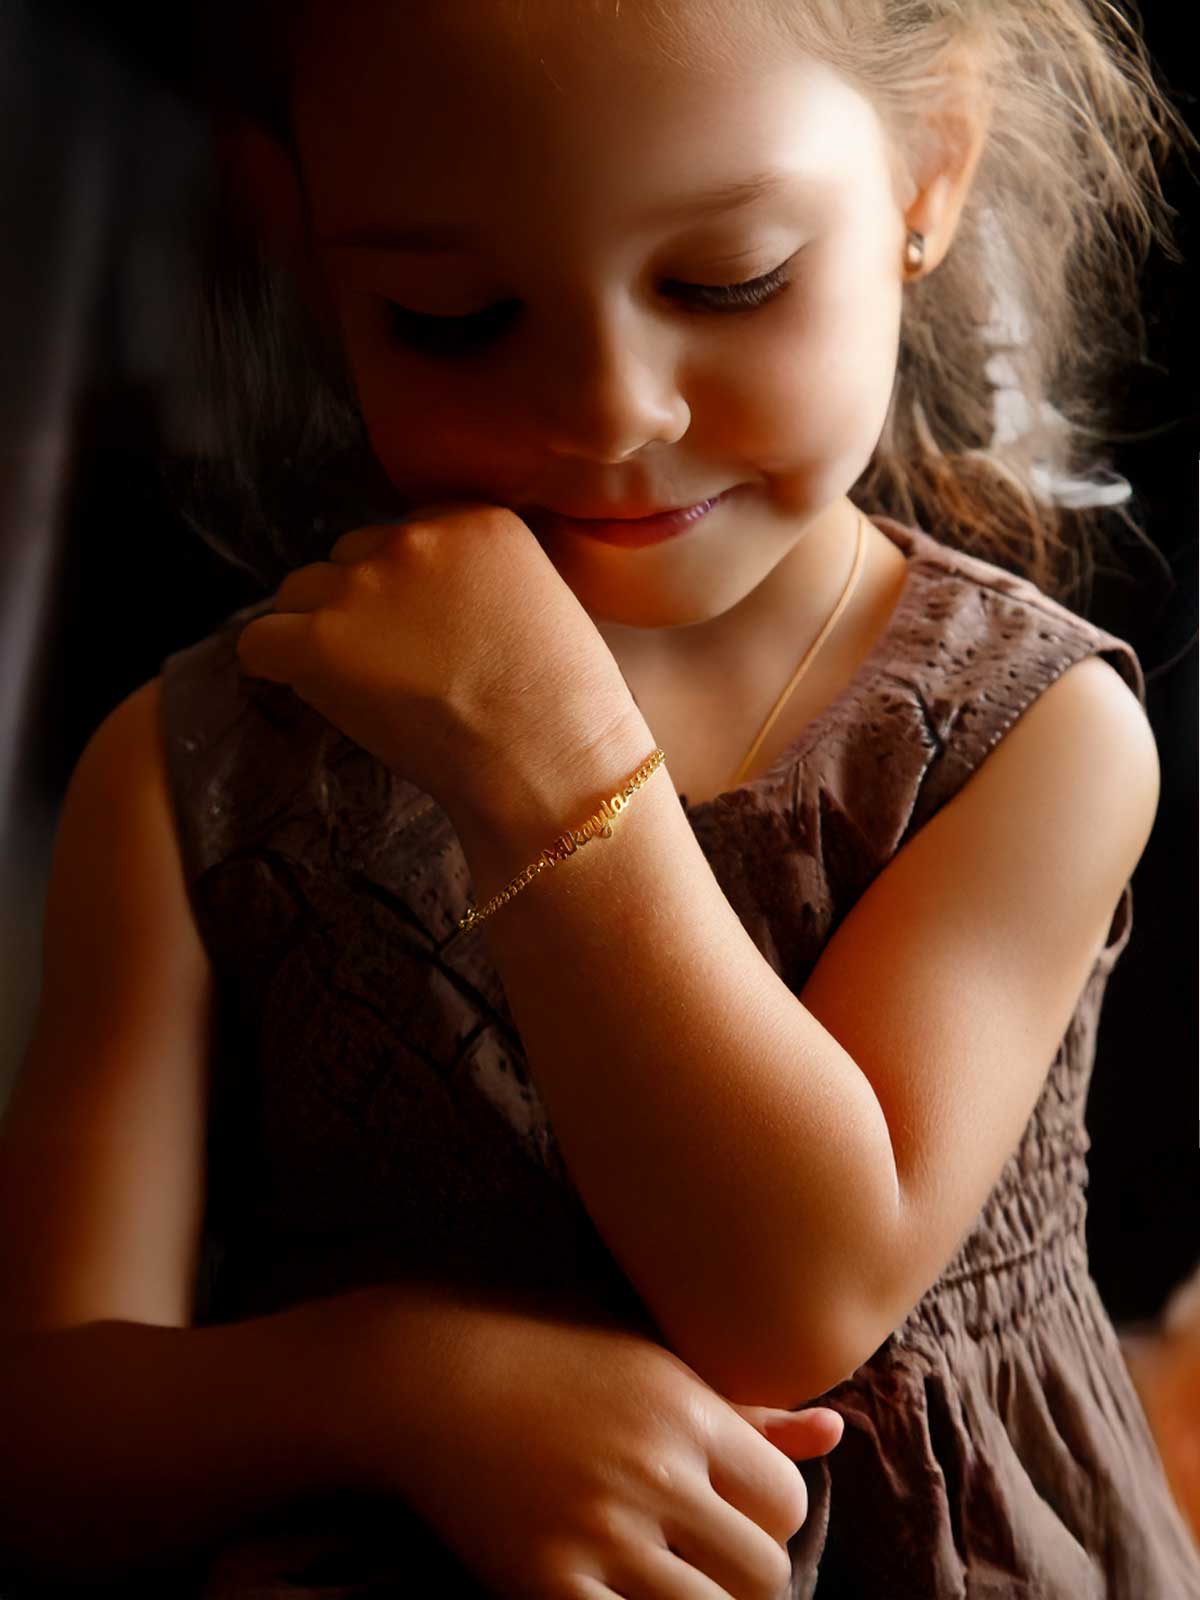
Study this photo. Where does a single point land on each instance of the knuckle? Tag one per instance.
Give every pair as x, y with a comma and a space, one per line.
764, 1573
777, 1571
414, 534
698, 1410
667, 1477
556, 1573
247, 643
601, 1519
793, 1503
297, 583
324, 633
572, 1586
414, 547
493, 516
769, 1575
362, 578
663, 1473
397, 535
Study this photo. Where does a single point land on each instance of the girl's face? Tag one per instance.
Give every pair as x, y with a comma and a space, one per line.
550, 176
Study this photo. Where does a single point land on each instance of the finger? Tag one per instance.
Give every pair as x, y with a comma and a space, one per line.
810, 1431
307, 588
659, 1573
589, 1588
273, 647
724, 1547
804, 1434
360, 542
758, 1480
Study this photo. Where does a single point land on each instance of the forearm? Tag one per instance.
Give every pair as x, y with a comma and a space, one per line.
731, 1153
126, 1444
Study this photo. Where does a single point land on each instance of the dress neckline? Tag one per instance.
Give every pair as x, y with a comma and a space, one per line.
910, 541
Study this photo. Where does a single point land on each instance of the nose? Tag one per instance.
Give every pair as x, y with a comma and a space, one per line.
610, 389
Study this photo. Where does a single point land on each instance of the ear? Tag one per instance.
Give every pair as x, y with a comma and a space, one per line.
262, 185
265, 192
960, 133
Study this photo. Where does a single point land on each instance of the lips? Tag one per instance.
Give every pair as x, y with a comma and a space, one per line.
636, 512
628, 533
630, 514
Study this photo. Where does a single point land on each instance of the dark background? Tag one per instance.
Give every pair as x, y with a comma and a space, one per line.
99, 153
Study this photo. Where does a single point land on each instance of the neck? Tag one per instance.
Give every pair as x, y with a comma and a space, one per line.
758, 640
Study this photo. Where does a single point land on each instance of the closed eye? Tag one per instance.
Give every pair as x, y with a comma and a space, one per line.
434, 335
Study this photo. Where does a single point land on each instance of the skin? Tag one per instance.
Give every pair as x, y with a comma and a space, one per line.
606, 388
607, 385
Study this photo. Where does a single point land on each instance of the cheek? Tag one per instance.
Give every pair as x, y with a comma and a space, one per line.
816, 387
413, 430
422, 462
388, 396
811, 387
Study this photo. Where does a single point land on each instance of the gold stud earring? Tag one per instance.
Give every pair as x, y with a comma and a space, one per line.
914, 255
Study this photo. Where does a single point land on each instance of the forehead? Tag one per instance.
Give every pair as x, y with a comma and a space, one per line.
458, 108
703, 35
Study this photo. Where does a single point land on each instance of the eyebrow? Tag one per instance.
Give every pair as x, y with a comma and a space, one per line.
733, 196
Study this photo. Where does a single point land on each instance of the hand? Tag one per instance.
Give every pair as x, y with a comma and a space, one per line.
447, 645
582, 1458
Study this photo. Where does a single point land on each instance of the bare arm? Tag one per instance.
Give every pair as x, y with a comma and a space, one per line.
783, 1177
127, 1434
731, 1153
127, 1444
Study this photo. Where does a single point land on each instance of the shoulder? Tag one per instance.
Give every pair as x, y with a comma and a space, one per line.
120, 787
107, 1113
119, 791
988, 669
127, 743
1088, 736
1063, 804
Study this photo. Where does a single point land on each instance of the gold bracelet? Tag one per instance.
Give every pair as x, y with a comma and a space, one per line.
598, 826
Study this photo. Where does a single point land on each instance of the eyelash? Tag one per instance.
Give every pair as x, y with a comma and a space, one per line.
433, 335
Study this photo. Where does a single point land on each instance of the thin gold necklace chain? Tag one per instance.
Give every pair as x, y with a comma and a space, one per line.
847, 591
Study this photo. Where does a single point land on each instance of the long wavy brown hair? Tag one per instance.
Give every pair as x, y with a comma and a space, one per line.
1010, 352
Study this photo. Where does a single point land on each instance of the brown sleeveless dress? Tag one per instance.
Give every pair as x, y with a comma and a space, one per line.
371, 1115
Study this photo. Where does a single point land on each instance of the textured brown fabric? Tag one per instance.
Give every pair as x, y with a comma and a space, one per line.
372, 1115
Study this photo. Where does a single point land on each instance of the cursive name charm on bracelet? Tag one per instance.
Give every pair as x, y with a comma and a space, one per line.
598, 826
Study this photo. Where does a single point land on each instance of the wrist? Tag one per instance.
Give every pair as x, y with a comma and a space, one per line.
524, 800
340, 1333
404, 1351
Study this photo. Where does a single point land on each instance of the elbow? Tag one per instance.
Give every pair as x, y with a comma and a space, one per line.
790, 1370
818, 1365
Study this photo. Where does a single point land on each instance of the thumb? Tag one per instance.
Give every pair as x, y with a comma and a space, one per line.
814, 1430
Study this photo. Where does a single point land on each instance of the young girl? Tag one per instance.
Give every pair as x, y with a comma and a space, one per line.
610, 422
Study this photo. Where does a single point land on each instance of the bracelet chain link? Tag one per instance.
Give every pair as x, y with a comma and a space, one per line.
598, 826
